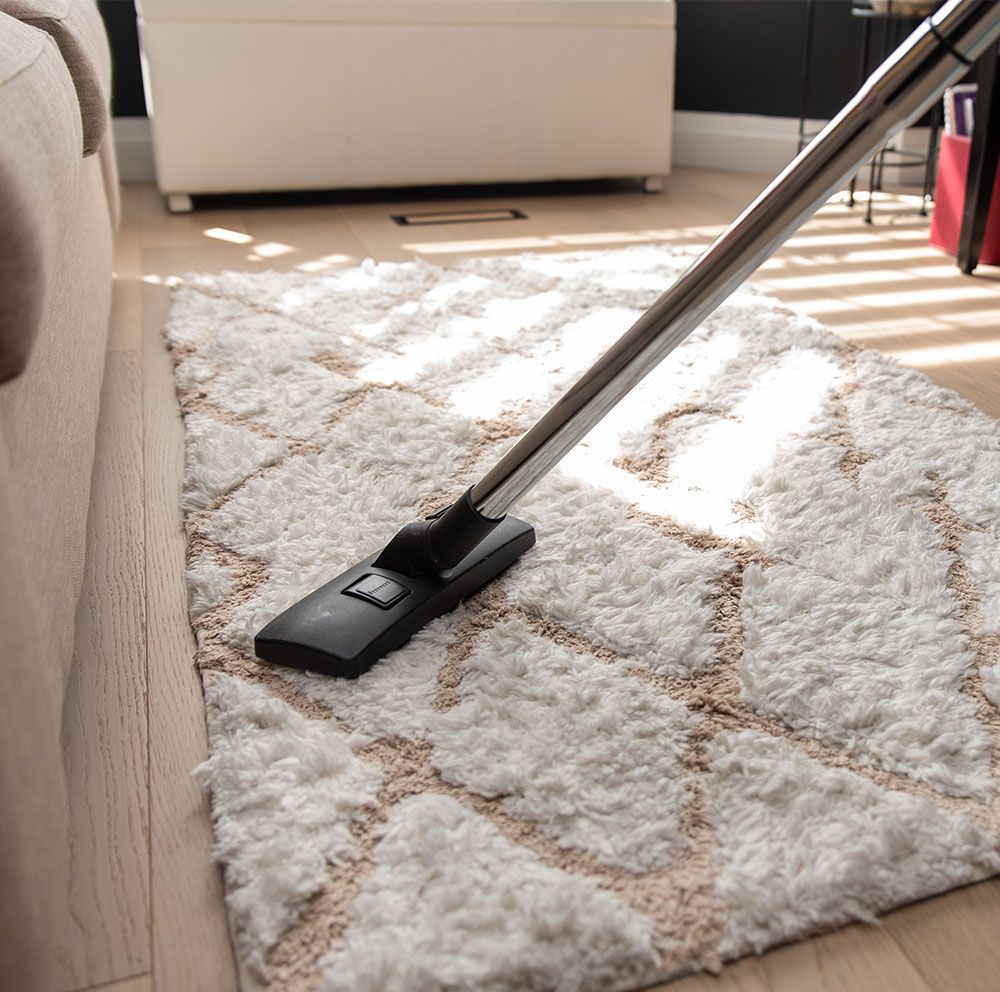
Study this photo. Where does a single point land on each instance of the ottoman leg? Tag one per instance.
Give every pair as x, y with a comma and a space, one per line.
179, 203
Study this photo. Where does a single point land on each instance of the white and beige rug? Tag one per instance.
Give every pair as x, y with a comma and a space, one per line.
743, 689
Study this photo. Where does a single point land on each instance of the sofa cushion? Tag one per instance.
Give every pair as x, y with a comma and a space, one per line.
39, 168
652, 13
78, 30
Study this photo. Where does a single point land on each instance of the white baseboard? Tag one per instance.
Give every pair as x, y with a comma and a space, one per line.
134, 149
735, 142
752, 143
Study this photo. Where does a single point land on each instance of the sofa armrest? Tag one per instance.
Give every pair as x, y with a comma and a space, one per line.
77, 28
39, 173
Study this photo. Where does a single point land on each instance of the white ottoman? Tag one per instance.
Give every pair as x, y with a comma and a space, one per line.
251, 95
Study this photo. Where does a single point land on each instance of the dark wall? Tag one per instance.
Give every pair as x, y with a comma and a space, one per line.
746, 56
734, 56
119, 20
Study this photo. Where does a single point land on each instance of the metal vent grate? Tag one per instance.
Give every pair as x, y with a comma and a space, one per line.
458, 216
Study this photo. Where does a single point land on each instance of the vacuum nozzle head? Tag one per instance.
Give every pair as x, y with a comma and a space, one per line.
374, 607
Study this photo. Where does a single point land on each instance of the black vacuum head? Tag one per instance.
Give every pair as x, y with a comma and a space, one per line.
344, 627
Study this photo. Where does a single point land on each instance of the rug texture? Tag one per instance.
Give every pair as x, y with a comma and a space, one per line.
743, 689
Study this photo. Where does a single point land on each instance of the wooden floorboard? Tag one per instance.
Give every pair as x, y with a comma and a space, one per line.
191, 951
879, 285
308, 238
125, 325
104, 720
137, 983
952, 939
855, 958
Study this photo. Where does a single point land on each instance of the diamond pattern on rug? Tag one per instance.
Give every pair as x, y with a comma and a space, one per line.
745, 687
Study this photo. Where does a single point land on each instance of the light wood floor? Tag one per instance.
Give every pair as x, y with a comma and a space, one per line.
147, 903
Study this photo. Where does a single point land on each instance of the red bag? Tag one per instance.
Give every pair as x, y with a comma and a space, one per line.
949, 201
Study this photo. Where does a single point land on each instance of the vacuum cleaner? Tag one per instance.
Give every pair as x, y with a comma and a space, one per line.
431, 565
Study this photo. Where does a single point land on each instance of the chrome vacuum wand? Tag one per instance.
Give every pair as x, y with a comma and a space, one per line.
912, 78
430, 565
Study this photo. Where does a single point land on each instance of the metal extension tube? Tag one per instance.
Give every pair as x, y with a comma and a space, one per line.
915, 75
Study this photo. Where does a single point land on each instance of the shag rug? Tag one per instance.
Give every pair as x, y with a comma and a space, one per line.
743, 689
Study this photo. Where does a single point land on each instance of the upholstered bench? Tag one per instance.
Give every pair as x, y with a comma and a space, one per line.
310, 94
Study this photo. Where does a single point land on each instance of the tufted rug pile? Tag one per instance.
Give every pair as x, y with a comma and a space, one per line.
744, 688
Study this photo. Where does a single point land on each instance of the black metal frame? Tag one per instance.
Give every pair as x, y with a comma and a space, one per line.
983, 157
893, 26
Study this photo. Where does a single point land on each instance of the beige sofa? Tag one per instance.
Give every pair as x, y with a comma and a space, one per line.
58, 211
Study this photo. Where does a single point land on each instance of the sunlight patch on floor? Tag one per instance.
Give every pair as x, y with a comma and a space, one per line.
324, 263
835, 279
225, 234
821, 305
269, 249
696, 237
920, 297
970, 351
877, 255
482, 244
977, 318
941, 270
874, 328
832, 240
